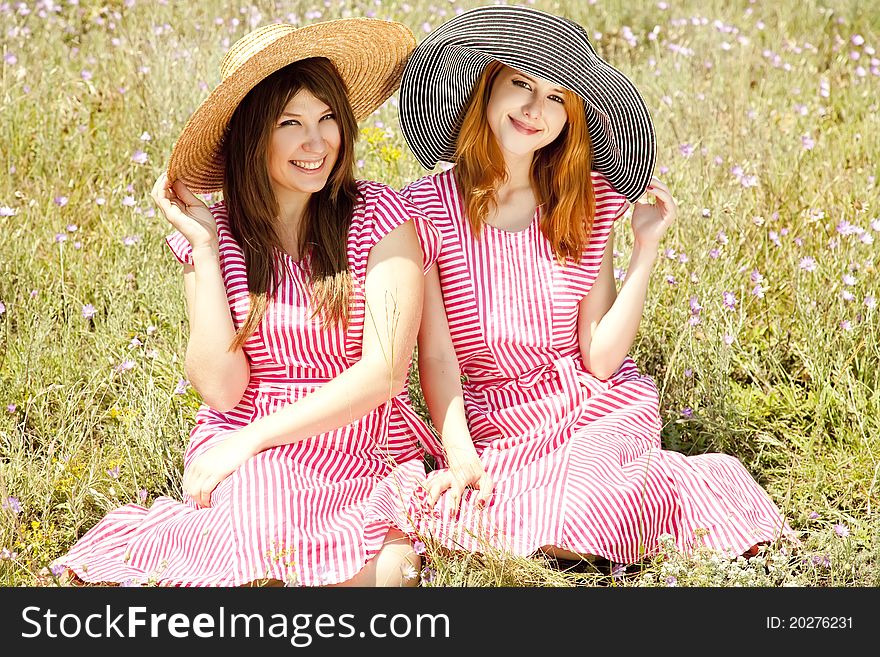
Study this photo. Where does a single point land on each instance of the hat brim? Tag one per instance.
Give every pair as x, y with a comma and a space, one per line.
369, 54
442, 71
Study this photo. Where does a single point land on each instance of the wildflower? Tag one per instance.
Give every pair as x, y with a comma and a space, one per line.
841, 530
182, 385
146, 136
847, 295
875, 224
125, 365
756, 276
686, 150
128, 201
12, 504
11, 408
759, 291
728, 339
135, 342
113, 472
100, 200
683, 258
687, 412
808, 264
688, 372
409, 572
722, 237
845, 228
695, 306
418, 547
729, 300
849, 279
151, 329
142, 494
60, 201
672, 580
86, 75
671, 280
6, 211
807, 142
131, 240
427, 575
60, 237
57, 570
618, 570
88, 311
706, 212
814, 515
714, 254
2, 308
139, 157
131, 582
10, 59
870, 301
846, 325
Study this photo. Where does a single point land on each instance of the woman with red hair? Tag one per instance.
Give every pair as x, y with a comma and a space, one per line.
550, 435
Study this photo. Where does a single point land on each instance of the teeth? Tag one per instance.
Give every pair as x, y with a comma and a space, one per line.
308, 165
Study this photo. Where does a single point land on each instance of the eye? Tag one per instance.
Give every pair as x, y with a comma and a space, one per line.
523, 84
328, 117
288, 122
557, 99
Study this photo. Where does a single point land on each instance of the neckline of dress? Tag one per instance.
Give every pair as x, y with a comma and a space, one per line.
536, 218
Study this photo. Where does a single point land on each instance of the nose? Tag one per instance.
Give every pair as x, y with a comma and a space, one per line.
534, 109
314, 141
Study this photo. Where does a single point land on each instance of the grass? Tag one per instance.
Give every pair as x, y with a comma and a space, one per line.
767, 127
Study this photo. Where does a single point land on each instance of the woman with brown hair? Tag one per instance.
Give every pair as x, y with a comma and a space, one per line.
550, 436
304, 291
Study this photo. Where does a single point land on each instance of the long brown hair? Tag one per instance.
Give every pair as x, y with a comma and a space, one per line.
560, 171
253, 208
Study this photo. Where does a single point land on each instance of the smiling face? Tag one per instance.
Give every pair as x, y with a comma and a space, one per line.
525, 113
303, 147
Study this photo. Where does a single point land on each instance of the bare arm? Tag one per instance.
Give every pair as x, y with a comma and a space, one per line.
219, 375
440, 378
608, 321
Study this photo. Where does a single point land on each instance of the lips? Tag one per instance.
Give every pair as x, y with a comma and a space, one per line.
523, 128
309, 166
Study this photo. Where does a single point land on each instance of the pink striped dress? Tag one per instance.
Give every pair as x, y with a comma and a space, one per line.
577, 461
309, 513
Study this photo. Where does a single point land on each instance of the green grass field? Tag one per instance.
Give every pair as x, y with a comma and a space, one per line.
761, 327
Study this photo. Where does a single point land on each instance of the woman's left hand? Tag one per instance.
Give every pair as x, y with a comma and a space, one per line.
650, 221
212, 467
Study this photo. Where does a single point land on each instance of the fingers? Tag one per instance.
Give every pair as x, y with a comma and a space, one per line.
487, 487
199, 487
438, 485
185, 195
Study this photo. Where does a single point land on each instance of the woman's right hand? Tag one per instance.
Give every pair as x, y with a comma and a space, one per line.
186, 212
465, 471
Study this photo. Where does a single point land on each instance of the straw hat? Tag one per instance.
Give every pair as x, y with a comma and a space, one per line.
368, 53
442, 70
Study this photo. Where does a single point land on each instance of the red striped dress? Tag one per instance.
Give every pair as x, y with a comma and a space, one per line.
313, 512
577, 461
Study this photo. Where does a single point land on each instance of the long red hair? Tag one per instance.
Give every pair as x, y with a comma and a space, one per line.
560, 172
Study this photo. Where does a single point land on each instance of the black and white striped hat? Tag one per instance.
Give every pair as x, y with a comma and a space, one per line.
443, 69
